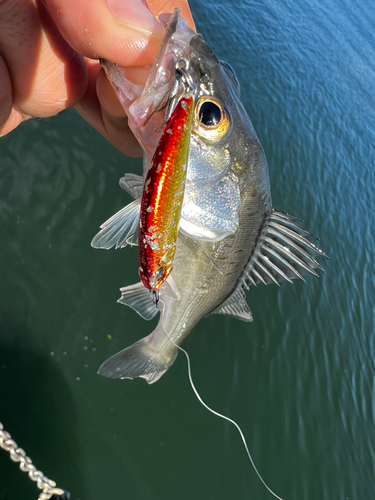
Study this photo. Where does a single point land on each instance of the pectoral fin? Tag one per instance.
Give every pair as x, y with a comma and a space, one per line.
132, 184
120, 229
169, 287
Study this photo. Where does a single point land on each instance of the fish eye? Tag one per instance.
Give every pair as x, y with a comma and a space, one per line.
211, 119
209, 114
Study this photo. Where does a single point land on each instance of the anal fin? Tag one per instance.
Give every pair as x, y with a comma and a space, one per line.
235, 306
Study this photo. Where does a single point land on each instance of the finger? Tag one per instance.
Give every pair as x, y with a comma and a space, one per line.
10, 118
14, 119
100, 106
107, 97
108, 118
5, 92
125, 32
47, 75
122, 31
116, 123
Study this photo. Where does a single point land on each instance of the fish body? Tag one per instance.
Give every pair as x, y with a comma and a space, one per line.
259, 245
162, 198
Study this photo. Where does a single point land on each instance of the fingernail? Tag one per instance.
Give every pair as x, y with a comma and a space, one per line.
134, 14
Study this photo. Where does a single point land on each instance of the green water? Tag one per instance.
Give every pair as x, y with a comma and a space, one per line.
299, 379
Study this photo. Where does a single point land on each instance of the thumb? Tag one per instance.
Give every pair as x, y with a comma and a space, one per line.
123, 31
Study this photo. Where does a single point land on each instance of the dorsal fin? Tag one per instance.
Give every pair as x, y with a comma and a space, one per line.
282, 253
132, 184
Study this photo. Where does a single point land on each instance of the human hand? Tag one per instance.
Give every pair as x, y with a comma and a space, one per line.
49, 59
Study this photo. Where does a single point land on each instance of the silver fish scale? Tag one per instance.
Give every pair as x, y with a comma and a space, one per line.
215, 206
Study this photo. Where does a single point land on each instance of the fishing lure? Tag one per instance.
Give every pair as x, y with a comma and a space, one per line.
162, 198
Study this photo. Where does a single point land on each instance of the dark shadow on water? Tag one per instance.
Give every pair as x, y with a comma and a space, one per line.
37, 409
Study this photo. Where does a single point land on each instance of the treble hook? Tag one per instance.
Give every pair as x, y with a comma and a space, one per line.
155, 297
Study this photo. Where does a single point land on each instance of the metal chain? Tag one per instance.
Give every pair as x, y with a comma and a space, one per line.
47, 486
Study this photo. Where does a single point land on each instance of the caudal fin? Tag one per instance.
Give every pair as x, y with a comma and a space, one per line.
140, 360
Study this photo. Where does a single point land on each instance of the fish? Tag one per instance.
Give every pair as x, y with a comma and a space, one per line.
162, 198
260, 245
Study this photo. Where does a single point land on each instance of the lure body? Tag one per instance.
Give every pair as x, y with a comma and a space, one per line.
162, 197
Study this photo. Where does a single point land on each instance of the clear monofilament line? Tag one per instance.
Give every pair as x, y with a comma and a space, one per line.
225, 418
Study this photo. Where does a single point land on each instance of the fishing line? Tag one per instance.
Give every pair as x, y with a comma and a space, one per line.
223, 417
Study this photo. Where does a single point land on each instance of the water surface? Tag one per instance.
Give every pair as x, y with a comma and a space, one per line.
299, 379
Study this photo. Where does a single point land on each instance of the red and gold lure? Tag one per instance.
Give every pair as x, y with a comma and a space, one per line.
162, 198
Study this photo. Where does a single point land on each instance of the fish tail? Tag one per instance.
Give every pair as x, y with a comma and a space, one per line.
145, 359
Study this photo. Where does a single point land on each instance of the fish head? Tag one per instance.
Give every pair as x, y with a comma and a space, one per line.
224, 149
